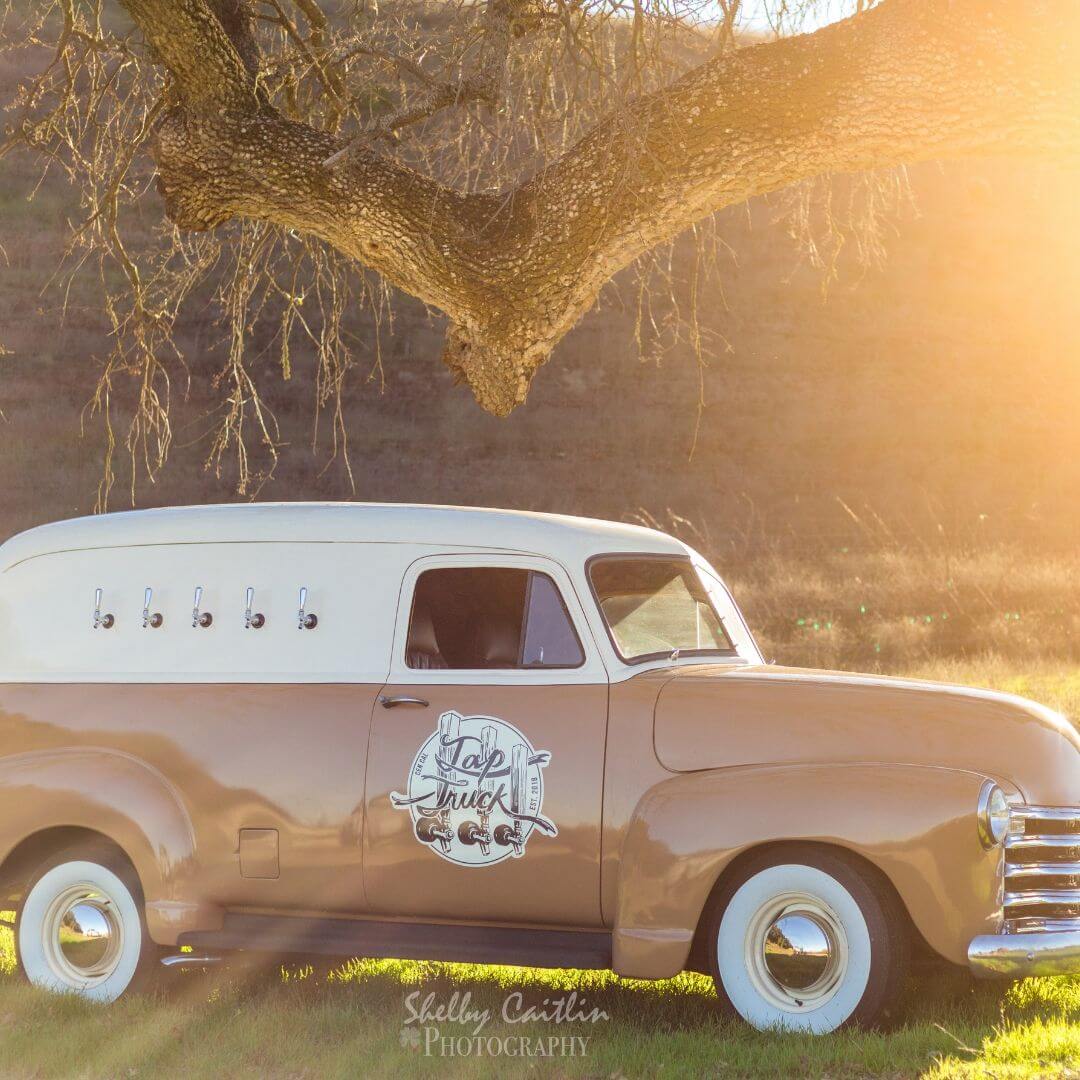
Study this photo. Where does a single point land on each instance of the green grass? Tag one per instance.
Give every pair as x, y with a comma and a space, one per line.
293, 1023
350, 1024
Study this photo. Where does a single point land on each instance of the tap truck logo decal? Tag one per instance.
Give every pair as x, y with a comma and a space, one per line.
475, 791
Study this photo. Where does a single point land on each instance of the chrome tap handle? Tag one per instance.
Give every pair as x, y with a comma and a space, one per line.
487, 749
305, 620
154, 620
199, 617
256, 621
106, 621
519, 778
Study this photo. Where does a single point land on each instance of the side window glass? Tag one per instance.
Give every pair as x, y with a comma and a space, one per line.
487, 618
550, 640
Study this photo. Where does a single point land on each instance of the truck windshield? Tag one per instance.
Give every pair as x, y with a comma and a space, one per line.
654, 607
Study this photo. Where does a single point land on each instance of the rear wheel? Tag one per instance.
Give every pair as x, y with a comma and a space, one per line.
80, 927
806, 939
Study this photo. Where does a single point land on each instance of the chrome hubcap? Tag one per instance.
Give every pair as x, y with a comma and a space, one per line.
83, 936
796, 952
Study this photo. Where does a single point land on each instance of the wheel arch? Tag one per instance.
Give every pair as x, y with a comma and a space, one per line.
913, 825
95, 792
698, 957
29, 853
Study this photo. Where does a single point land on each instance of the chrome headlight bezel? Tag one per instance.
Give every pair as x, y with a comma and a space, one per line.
993, 815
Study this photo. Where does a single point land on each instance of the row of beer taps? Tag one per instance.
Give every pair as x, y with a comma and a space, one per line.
154, 620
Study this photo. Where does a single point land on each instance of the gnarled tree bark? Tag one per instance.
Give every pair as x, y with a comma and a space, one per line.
905, 81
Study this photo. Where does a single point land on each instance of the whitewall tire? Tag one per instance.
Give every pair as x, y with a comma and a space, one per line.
80, 929
807, 939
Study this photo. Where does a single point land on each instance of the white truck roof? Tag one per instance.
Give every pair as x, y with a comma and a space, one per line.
568, 539
119, 597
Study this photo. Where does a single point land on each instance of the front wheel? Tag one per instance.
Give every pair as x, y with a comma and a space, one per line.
806, 939
80, 928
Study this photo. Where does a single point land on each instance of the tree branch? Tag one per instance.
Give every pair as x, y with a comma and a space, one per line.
192, 43
503, 21
904, 81
237, 20
331, 86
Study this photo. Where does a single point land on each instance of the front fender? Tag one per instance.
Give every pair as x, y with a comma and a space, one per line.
917, 824
123, 798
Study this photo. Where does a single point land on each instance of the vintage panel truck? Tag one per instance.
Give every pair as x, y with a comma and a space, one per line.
500, 737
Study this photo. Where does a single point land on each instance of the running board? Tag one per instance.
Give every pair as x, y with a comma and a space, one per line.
408, 941
182, 960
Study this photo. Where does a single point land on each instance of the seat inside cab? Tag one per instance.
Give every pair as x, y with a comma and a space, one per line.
489, 618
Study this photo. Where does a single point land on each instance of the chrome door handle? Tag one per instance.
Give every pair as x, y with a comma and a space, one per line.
393, 702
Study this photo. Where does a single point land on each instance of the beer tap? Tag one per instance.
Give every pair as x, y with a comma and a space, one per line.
487, 788
305, 620
152, 620
437, 828
198, 616
256, 620
106, 621
514, 835
469, 832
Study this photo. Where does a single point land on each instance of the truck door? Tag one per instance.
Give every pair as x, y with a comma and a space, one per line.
486, 762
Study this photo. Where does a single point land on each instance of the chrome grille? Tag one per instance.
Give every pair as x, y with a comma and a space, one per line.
1042, 868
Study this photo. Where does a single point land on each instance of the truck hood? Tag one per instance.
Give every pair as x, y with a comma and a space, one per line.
712, 716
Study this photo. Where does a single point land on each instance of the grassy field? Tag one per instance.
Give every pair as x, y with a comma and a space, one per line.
352, 1022
353, 1025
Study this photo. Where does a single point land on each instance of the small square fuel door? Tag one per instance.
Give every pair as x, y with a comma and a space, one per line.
259, 853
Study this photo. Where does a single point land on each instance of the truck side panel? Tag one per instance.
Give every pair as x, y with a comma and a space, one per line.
173, 773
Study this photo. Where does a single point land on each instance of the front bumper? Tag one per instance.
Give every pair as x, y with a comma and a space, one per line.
1040, 900
1018, 956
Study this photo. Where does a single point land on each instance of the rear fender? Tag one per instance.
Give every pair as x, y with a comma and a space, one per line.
916, 824
123, 798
